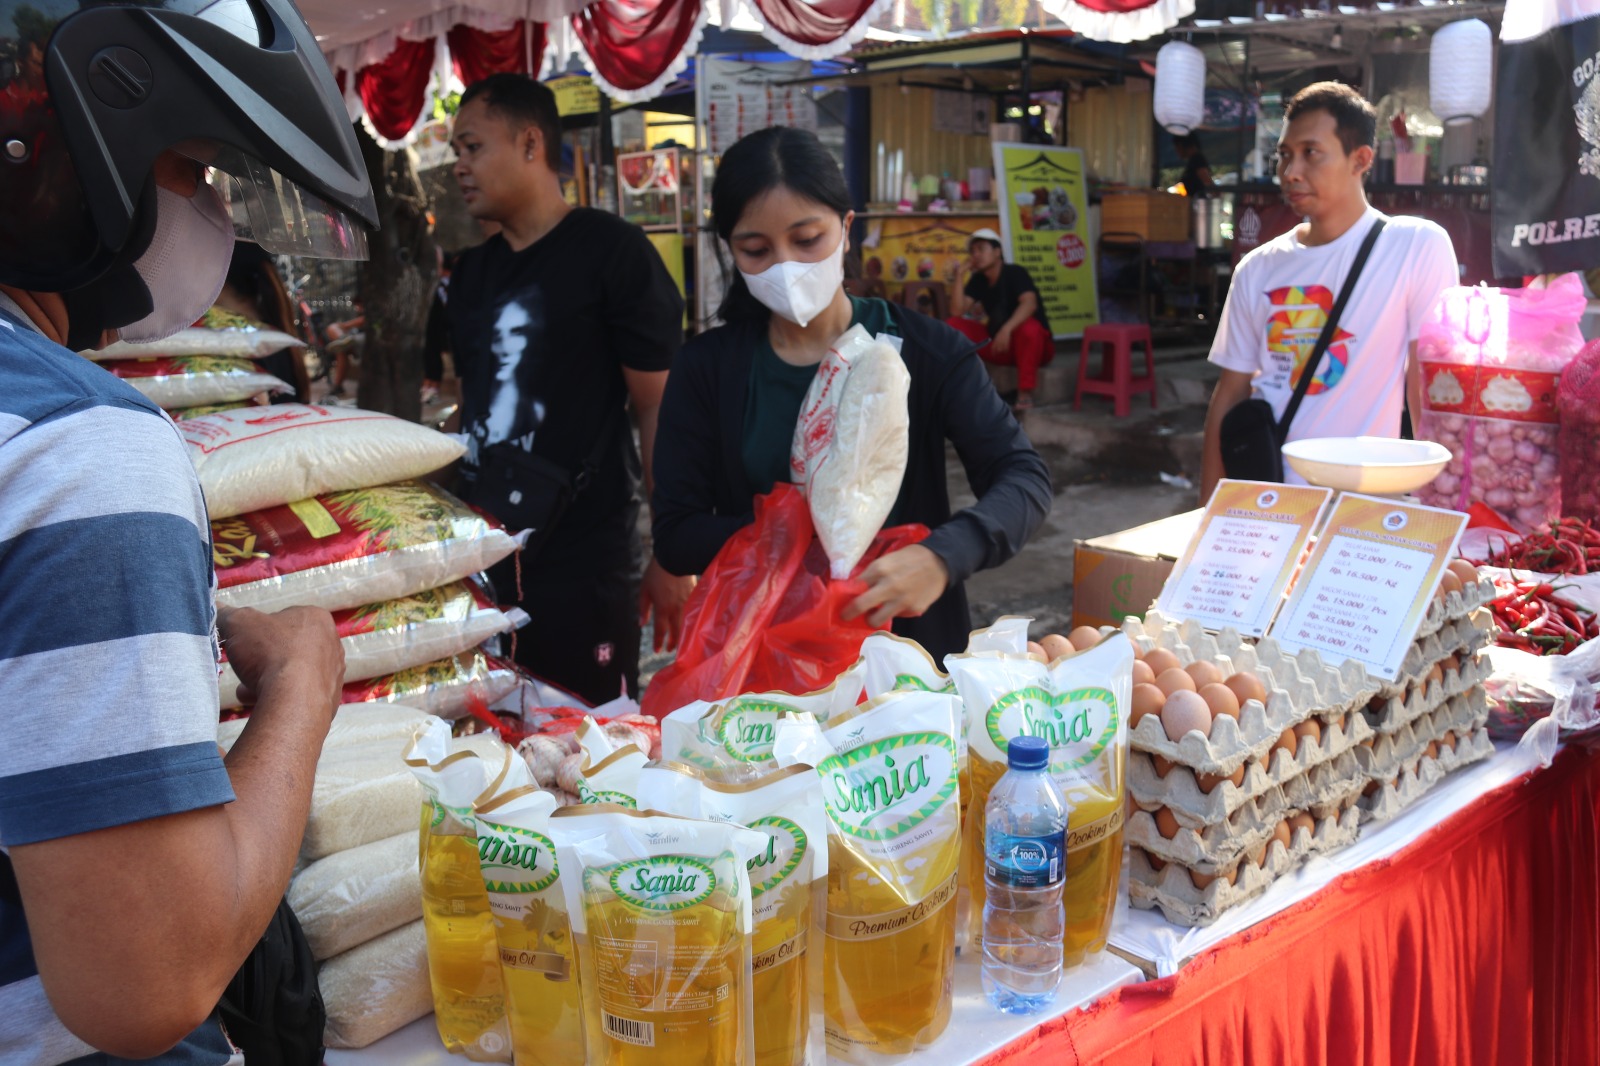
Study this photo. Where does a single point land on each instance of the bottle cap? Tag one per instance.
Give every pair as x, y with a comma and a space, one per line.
1028, 753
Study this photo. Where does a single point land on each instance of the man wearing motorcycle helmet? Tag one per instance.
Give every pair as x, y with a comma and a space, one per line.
138, 867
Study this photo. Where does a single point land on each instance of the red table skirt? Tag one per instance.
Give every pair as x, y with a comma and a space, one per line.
1477, 944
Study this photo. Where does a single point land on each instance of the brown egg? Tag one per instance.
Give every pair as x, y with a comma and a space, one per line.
1432, 750
1161, 660
1247, 687
1036, 652
1057, 647
1142, 674
1156, 862
1372, 786
1166, 824
1435, 674
1283, 834
1368, 742
1302, 821
1450, 664
1204, 674
1448, 740
1147, 699
1185, 712
1221, 700
1448, 583
1163, 766
1259, 855
1465, 572
1337, 724
1203, 881
1309, 730
1288, 741
1084, 637
1209, 782
1174, 680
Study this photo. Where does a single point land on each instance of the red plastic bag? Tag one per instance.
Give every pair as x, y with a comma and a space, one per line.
765, 616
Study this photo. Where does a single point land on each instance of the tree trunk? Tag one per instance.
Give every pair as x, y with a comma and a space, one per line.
396, 285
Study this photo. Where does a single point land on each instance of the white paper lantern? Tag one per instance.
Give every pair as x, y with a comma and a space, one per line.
1180, 96
1461, 71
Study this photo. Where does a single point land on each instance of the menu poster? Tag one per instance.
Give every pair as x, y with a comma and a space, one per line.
738, 97
1367, 586
1044, 221
1243, 555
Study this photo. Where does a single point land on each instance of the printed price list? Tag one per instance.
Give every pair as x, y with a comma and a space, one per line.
1231, 579
1356, 604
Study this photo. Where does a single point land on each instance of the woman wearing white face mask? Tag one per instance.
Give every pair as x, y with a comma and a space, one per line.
729, 414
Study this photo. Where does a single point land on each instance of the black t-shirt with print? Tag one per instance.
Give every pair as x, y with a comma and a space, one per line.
1000, 299
540, 338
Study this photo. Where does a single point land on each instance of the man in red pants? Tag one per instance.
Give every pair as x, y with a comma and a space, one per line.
1014, 329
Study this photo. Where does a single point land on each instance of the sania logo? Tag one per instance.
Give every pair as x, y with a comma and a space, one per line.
1077, 724
786, 847
664, 883
749, 727
881, 790
516, 860
913, 683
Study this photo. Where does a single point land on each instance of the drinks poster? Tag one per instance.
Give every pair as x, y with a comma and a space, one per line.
918, 248
1044, 220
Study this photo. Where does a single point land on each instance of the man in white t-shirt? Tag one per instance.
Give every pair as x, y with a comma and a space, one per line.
1282, 292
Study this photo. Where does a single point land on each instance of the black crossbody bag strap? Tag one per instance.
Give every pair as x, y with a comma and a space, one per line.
1329, 328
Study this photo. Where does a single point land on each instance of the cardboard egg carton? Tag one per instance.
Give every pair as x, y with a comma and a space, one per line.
1215, 848
1385, 715
1416, 778
1463, 637
1390, 752
1172, 891
1328, 786
1456, 605
1180, 790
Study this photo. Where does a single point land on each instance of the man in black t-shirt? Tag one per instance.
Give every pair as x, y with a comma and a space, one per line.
557, 322
1015, 330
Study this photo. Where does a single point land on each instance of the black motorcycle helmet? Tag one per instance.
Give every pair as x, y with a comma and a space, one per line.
93, 91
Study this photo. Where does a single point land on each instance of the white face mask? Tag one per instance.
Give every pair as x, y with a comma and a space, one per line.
186, 264
799, 291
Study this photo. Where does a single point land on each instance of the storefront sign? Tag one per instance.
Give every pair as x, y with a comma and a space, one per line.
1243, 556
1044, 219
918, 248
739, 97
575, 95
1367, 586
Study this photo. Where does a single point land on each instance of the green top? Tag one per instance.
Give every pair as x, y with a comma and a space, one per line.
777, 392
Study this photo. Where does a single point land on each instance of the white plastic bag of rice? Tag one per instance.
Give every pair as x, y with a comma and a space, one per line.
361, 793
851, 443
354, 896
385, 638
346, 549
174, 381
445, 687
248, 460
361, 723
375, 989
221, 333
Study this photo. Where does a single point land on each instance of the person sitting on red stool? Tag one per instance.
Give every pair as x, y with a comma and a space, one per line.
1015, 331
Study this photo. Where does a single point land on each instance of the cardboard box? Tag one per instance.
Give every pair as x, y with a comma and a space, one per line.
1121, 574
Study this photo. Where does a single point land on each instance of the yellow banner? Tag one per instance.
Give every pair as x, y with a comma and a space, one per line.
670, 247
1044, 214
575, 95
918, 248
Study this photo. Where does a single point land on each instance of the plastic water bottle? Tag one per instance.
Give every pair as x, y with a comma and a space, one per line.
1024, 843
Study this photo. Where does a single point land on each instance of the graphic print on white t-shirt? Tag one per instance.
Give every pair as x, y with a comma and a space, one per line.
1299, 314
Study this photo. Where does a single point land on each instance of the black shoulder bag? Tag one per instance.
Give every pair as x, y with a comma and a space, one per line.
1251, 438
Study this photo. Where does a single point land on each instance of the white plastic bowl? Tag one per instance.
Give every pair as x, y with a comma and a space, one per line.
1384, 466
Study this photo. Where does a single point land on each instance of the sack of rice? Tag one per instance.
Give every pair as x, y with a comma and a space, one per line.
385, 638
355, 896
347, 549
361, 793
248, 460
377, 988
445, 687
218, 332
189, 380
180, 413
362, 723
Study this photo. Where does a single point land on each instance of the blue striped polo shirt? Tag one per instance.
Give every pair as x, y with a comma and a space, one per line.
108, 697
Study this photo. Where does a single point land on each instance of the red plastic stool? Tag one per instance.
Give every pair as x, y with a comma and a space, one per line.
1116, 365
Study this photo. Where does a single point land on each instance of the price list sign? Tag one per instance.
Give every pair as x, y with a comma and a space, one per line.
1243, 555
1367, 587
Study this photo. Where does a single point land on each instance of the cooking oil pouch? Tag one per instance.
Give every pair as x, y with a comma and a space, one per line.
609, 774
789, 893
661, 917
891, 787
538, 967
463, 955
1080, 706
731, 740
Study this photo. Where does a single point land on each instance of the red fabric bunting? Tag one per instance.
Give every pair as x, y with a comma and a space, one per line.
816, 24
632, 43
476, 54
1116, 7
392, 91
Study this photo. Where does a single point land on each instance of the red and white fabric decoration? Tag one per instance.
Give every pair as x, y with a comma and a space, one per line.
635, 48
1119, 21
475, 53
394, 92
815, 29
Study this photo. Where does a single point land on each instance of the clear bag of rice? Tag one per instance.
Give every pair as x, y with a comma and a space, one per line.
218, 332
362, 793
355, 896
395, 635
180, 413
361, 723
347, 549
248, 460
190, 380
377, 988
445, 687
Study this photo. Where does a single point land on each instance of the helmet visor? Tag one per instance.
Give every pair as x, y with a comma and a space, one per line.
280, 215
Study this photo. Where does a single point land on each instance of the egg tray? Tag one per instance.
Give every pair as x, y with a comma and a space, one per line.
1213, 848
1326, 786
1180, 791
1416, 778
1391, 751
1181, 903
1455, 606
1297, 689
1386, 715
1464, 636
